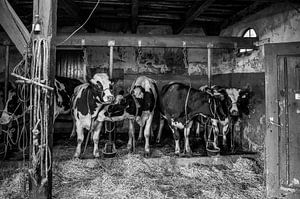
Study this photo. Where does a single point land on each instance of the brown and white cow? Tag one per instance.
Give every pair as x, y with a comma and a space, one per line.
87, 101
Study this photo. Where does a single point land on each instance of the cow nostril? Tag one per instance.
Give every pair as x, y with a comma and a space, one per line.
235, 113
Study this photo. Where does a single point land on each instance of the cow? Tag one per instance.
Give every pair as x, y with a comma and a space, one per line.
235, 103
139, 105
64, 88
181, 104
87, 101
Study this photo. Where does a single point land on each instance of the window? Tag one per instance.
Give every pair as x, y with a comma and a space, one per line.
250, 32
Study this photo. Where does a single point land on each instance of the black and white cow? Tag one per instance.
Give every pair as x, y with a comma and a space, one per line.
64, 88
138, 106
235, 103
181, 104
87, 101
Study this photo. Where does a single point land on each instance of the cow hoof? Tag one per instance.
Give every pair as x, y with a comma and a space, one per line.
147, 154
157, 141
96, 155
177, 154
76, 155
189, 154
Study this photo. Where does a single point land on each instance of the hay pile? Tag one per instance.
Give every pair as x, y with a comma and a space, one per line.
132, 176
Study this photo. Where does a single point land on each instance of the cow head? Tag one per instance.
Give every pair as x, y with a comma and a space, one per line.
102, 83
13, 107
243, 101
233, 94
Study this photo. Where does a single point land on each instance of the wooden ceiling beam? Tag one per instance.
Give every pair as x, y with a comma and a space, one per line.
134, 15
13, 26
198, 8
131, 40
72, 9
241, 14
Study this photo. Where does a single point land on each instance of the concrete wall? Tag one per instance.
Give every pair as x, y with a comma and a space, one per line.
279, 23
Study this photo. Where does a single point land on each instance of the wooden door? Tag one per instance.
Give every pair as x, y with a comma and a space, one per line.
282, 63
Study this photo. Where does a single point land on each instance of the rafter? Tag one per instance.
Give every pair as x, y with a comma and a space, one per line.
241, 14
198, 8
134, 15
74, 10
13, 26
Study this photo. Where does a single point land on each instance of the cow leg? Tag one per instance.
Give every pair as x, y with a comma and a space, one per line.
161, 126
198, 129
187, 148
176, 138
131, 139
96, 133
140, 138
147, 135
225, 126
215, 130
80, 137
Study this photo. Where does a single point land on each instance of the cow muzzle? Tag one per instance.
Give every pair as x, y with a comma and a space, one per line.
234, 113
109, 98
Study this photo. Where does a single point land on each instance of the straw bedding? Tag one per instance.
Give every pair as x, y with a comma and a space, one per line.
132, 176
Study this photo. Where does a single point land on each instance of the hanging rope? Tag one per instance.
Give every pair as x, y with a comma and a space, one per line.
41, 154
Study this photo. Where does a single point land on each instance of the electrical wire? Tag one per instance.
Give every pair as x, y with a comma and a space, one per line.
81, 25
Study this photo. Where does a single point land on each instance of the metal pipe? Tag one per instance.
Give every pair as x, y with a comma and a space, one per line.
209, 62
111, 57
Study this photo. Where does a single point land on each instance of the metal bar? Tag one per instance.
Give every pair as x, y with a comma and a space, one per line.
209, 62
111, 57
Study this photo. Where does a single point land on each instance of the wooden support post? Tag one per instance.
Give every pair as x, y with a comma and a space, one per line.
46, 12
6, 69
209, 62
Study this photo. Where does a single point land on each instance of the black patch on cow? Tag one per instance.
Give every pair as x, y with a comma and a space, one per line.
69, 84
173, 100
86, 103
127, 104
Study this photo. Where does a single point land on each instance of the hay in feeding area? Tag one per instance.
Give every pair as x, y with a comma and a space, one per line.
133, 176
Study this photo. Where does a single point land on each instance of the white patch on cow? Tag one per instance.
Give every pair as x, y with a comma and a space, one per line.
118, 99
105, 82
177, 124
6, 117
137, 92
214, 124
145, 82
233, 94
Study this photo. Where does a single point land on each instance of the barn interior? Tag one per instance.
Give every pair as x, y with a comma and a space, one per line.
196, 42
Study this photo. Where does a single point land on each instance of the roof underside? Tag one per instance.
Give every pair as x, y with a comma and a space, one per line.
127, 15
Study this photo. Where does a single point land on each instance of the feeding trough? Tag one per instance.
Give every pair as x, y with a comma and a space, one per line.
211, 149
